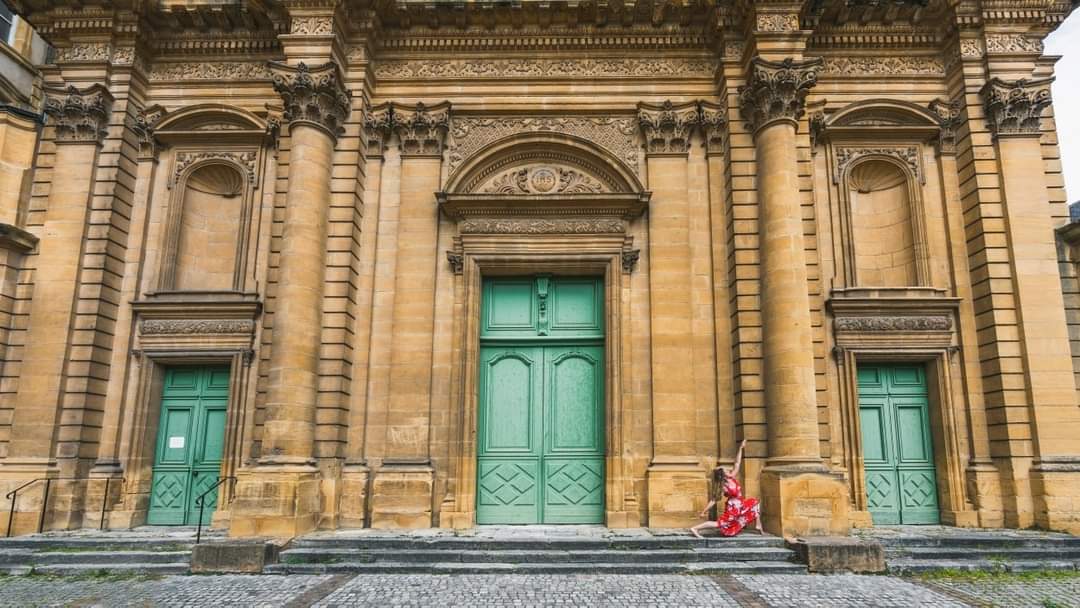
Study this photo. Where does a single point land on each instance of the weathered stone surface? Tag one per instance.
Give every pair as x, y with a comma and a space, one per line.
247, 557
831, 555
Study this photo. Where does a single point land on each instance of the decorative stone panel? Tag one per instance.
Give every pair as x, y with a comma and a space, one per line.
777, 90
80, 115
314, 96
1014, 108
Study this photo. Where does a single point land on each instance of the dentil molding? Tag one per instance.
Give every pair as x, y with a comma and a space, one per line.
80, 115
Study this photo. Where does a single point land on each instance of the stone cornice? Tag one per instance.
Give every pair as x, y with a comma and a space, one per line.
667, 127
1014, 108
776, 91
314, 96
422, 129
79, 115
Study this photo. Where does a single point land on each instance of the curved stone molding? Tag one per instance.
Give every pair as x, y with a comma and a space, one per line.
541, 226
314, 96
378, 122
897, 323
667, 127
543, 179
80, 115
1014, 108
714, 125
421, 129
949, 113
909, 155
777, 91
244, 160
157, 327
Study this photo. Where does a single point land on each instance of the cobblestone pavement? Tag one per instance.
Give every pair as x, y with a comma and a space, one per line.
592, 591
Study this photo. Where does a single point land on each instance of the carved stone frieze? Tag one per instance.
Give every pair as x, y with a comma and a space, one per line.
1014, 108
846, 156
469, 135
777, 90
312, 25
123, 55
543, 179
619, 67
714, 126
1000, 44
733, 50
894, 323
84, 51
157, 327
313, 95
667, 127
970, 48
542, 226
224, 71
244, 159
949, 117
80, 115
777, 22
378, 123
883, 66
421, 129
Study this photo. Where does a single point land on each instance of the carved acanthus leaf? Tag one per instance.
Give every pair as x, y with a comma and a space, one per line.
777, 90
1014, 108
667, 127
544, 179
314, 96
714, 126
421, 129
542, 226
949, 117
80, 115
378, 123
312, 25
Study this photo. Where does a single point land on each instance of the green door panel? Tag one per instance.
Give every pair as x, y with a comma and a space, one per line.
901, 485
540, 434
190, 444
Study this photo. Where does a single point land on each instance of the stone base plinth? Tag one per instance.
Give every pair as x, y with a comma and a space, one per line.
984, 488
457, 520
352, 508
273, 500
401, 496
799, 501
1055, 491
677, 494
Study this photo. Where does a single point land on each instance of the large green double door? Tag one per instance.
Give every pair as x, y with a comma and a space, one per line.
898, 453
541, 434
190, 443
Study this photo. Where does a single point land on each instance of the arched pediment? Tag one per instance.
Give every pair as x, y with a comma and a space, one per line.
210, 117
882, 113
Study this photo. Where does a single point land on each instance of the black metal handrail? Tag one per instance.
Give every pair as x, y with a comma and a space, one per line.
13, 496
199, 503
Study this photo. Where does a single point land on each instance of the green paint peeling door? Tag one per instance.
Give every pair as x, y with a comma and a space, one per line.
541, 433
898, 453
190, 443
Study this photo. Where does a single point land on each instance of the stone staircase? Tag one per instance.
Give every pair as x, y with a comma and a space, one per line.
920, 549
84, 553
606, 553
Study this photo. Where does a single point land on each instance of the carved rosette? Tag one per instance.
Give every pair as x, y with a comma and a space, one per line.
776, 91
314, 96
667, 127
80, 115
421, 129
948, 113
714, 127
378, 123
1014, 108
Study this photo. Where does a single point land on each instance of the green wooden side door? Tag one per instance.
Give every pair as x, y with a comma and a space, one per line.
190, 443
541, 437
901, 485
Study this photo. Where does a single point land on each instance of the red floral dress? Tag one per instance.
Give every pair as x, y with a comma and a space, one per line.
738, 511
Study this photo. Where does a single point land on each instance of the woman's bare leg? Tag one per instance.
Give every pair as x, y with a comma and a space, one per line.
705, 525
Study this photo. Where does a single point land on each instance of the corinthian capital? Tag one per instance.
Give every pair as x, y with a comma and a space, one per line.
714, 125
777, 91
378, 122
667, 127
1014, 108
80, 115
314, 96
421, 129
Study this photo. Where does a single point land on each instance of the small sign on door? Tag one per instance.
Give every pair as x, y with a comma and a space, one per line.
176, 443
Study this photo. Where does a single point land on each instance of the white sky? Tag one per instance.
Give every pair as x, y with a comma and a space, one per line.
1066, 42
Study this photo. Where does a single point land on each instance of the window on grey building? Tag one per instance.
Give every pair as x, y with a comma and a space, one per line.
7, 23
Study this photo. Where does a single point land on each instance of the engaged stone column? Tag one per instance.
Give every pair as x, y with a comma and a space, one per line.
1013, 110
677, 482
403, 487
280, 496
80, 117
799, 496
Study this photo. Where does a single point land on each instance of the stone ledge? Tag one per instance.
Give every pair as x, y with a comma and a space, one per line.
833, 554
237, 557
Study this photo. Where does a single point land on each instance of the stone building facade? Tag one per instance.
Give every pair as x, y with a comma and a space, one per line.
400, 264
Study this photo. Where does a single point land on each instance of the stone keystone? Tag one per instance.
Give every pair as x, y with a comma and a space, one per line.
80, 115
777, 91
314, 96
667, 127
1014, 108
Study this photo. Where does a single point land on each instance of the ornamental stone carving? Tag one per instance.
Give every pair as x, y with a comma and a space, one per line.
542, 226
667, 127
897, 323
884, 66
1014, 108
378, 122
909, 155
714, 125
312, 26
948, 113
245, 160
777, 22
226, 70
456, 260
314, 96
776, 91
620, 67
544, 179
999, 44
421, 129
84, 51
157, 327
630, 259
80, 115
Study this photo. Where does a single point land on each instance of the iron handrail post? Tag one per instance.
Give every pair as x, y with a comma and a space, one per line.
199, 501
44, 502
14, 495
104, 501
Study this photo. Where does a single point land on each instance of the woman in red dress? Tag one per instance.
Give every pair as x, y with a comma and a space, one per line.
738, 510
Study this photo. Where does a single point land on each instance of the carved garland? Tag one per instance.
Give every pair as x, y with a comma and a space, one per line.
544, 180
909, 155
157, 327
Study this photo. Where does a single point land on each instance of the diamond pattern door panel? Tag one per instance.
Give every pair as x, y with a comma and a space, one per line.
901, 484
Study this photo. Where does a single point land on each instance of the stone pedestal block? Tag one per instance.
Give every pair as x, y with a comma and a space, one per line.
677, 494
832, 554
1056, 493
804, 502
401, 496
352, 510
275, 501
244, 557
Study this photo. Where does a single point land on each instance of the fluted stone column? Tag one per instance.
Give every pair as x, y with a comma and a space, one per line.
1013, 110
800, 496
280, 496
403, 486
677, 482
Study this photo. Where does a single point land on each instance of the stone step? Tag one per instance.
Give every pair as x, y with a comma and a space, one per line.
88, 544
908, 567
981, 541
535, 544
107, 568
731, 567
100, 558
985, 553
515, 556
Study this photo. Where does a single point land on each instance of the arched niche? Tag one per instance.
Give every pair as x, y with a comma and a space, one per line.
210, 228
884, 237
